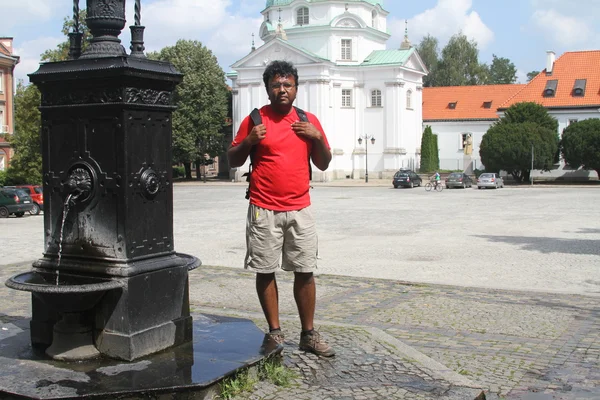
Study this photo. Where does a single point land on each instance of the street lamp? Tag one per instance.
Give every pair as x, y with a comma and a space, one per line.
367, 138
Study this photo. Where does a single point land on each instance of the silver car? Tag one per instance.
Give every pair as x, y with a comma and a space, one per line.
489, 180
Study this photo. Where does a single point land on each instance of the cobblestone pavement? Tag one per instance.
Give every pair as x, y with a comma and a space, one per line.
515, 345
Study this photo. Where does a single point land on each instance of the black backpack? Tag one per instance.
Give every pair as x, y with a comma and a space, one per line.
257, 120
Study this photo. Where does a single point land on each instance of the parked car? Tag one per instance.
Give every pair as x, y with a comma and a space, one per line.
458, 179
490, 180
37, 196
406, 178
14, 201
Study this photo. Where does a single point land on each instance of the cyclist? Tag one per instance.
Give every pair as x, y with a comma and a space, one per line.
436, 179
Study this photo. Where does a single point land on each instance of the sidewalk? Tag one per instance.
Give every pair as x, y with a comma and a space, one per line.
402, 341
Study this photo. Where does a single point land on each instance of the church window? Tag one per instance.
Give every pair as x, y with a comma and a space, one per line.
346, 49
409, 99
302, 16
346, 98
376, 98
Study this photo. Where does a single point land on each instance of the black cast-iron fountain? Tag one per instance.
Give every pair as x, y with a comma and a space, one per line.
110, 283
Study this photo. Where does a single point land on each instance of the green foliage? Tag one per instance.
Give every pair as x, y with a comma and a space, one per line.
61, 53
502, 71
531, 75
178, 171
581, 144
459, 65
507, 146
237, 384
3, 178
201, 101
529, 112
429, 53
273, 371
427, 149
26, 165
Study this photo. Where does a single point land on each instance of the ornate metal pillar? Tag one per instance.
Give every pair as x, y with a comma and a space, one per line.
106, 134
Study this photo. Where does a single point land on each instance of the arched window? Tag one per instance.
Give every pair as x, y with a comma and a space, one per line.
374, 19
376, 98
409, 99
302, 16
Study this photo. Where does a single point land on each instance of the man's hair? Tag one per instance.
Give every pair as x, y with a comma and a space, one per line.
281, 68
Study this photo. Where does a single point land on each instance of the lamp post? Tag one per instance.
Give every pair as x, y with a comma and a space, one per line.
366, 138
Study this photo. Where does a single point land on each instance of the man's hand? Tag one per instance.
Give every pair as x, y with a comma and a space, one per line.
307, 130
257, 134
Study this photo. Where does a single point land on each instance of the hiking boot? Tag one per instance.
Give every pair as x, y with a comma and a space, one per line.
313, 342
272, 341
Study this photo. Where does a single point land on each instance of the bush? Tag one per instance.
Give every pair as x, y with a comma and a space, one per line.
2, 178
178, 171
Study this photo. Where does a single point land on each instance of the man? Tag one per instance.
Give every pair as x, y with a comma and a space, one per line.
280, 221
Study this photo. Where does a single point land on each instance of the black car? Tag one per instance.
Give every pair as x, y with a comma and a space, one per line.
406, 178
14, 201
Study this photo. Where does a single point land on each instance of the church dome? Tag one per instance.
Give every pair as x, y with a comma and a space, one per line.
271, 3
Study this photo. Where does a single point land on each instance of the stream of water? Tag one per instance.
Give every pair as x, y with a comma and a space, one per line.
60, 240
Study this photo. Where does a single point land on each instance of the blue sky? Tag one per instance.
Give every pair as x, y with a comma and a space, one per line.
520, 30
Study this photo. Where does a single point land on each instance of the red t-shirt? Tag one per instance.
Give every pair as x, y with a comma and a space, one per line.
280, 180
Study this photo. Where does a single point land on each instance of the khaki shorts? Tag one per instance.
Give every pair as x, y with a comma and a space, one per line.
287, 235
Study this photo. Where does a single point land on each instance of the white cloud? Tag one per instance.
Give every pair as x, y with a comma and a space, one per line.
567, 31
447, 18
29, 53
27, 10
227, 35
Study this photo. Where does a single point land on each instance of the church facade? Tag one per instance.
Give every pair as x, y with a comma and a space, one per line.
368, 98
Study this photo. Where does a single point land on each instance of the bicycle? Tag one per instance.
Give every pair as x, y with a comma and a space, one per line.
436, 185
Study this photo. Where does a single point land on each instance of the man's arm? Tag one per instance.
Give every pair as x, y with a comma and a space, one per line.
237, 155
320, 154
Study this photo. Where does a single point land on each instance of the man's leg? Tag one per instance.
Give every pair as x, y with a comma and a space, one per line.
305, 294
268, 295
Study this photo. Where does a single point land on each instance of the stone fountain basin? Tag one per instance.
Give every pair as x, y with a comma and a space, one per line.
74, 293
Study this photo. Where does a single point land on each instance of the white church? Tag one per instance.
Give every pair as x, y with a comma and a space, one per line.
368, 99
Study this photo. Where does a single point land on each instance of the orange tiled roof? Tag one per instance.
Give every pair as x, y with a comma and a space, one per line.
469, 101
568, 68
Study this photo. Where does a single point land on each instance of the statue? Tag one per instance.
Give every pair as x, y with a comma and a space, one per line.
468, 145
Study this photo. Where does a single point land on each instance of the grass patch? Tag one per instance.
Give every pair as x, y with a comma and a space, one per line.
278, 374
237, 384
269, 369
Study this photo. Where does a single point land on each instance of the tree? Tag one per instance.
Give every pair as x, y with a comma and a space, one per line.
428, 50
529, 112
436, 153
581, 144
26, 165
61, 53
427, 147
531, 75
507, 145
459, 65
502, 71
201, 101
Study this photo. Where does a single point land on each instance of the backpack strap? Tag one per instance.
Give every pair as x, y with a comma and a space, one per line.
304, 118
301, 114
255, 116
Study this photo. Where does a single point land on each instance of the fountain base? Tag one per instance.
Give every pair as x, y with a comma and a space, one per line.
221, 346
72, 339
